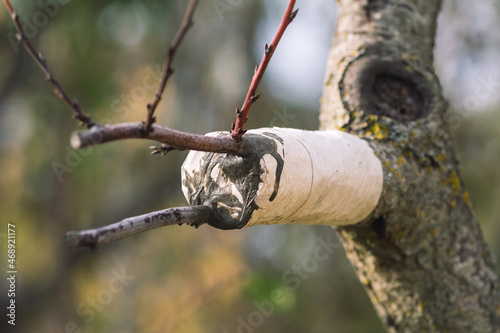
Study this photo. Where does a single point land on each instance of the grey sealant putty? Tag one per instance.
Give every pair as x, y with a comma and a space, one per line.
290, 176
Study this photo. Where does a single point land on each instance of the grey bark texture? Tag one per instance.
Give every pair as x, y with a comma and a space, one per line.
420, 255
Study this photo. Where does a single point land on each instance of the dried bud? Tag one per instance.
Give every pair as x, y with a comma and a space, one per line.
267, 49
254, 98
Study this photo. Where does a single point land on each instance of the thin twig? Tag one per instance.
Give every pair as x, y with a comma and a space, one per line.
168, 70
85, 119
242, 114
92, 238
174, 139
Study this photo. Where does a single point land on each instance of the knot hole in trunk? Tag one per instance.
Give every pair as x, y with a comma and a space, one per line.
377, 85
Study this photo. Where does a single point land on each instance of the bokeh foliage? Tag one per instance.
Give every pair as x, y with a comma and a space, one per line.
107, 53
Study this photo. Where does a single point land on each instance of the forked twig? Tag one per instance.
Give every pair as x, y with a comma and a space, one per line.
85, 119
168, 70
242, 114
92, 238
99, 134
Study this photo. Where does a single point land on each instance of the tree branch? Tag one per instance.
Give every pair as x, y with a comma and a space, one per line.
78, 114
168, 70
242, 114
92, 238
174, 139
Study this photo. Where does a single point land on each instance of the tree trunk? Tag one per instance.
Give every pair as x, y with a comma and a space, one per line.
420, 255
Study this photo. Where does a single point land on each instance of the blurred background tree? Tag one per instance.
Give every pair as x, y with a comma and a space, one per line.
108, 54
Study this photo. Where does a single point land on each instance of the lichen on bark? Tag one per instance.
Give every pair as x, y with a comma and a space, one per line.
420, 255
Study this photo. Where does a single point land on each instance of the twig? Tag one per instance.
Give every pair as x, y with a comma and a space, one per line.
175, 139
242, 114
92, 238
78, 113
168, 70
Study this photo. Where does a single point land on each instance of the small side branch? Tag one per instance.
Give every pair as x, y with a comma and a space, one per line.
78, 114
168, 70
92, 238
174, 139
237, 130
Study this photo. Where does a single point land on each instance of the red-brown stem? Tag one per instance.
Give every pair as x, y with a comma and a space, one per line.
242, 114
174, 139
168, 70
9, 6
78, 113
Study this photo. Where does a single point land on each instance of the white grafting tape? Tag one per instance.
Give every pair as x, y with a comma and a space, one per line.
320, 177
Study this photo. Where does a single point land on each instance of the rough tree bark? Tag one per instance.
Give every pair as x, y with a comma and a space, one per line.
420, 255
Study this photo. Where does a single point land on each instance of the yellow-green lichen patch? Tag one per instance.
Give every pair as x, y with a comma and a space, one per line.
401, 161
329, 80
410, 56
421, 306
388, 165
454, 182
380, 132
466, 197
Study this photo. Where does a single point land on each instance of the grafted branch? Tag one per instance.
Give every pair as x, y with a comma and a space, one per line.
92, 238
242, 114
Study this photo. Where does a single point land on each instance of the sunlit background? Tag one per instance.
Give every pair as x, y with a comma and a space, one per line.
178, 279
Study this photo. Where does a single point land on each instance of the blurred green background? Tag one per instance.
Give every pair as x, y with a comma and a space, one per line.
178, 279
